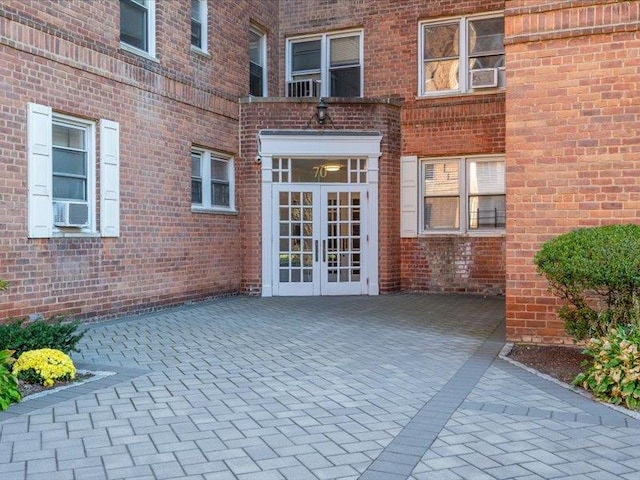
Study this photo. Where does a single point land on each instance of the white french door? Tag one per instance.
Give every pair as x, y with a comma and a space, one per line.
319, 239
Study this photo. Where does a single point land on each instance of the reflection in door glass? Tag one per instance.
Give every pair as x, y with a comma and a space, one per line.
343, 237
296, 237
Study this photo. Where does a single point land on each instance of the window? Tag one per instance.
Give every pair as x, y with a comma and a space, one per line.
137, 25
467, 192
61, 152
257, 63
461, 55
212, 181
70, 159
329, 65
199, 24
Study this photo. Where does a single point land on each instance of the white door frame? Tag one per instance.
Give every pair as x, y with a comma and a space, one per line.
315, 144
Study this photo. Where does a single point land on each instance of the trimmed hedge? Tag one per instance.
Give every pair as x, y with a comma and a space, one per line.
597, 271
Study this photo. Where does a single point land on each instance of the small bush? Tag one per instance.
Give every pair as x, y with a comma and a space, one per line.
597, 271
40, 334
44, 366
9, 392
614, 375
3, 285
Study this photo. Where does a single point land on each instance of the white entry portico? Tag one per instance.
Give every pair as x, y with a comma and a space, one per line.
319, 212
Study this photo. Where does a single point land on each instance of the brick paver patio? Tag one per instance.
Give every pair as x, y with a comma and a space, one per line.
393, 387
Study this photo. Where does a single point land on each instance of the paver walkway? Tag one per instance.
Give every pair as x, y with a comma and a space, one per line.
395, 387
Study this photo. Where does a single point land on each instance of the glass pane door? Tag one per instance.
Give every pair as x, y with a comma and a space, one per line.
294, 241
343, 225
319, 240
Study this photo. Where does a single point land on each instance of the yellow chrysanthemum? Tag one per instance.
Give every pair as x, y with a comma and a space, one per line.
47, 364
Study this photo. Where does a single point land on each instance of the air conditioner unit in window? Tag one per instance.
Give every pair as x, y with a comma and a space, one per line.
70, 214
303, 88
484, 78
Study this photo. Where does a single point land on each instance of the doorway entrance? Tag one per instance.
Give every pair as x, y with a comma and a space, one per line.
320, 228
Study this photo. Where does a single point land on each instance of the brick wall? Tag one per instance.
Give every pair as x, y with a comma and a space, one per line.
573, 150
469, 125
453, 264
390, 34
382, 116
69, 59
431, 127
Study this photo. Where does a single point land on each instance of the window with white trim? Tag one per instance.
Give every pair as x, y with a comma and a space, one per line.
72, 147
461, 55
212, 181
61, 152
257, 63
463, 194
328, 65
137, 25
199, 25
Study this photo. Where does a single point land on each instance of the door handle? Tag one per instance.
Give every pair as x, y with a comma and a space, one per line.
316, 250
324, 251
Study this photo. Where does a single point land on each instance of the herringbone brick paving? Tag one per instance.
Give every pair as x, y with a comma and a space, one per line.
311, 388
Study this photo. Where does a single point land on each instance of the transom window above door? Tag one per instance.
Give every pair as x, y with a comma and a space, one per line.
306, 170
325, 65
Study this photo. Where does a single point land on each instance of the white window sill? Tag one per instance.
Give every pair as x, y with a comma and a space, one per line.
213, 210
455, 93
137, 51
499, 232
199, 51
75, 234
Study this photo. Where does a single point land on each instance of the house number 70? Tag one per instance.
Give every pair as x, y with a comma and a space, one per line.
320, 172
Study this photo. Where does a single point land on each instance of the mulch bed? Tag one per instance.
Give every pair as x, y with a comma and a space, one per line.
562, 363
27, 389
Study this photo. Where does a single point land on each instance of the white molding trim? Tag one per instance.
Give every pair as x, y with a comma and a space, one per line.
267, 234
299, 144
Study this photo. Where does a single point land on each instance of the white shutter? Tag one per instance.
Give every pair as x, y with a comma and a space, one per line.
409, 196
39, 171
109, 178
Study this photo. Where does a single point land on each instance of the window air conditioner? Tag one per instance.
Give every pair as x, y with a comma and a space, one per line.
484, 78
303, 88
70, 214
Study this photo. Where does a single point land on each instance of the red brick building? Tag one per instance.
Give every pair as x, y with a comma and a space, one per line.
154, 154
572, 142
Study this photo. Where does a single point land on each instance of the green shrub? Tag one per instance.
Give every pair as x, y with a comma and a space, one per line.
9, 392
3, 285
40, 334
614, 375
597, 271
